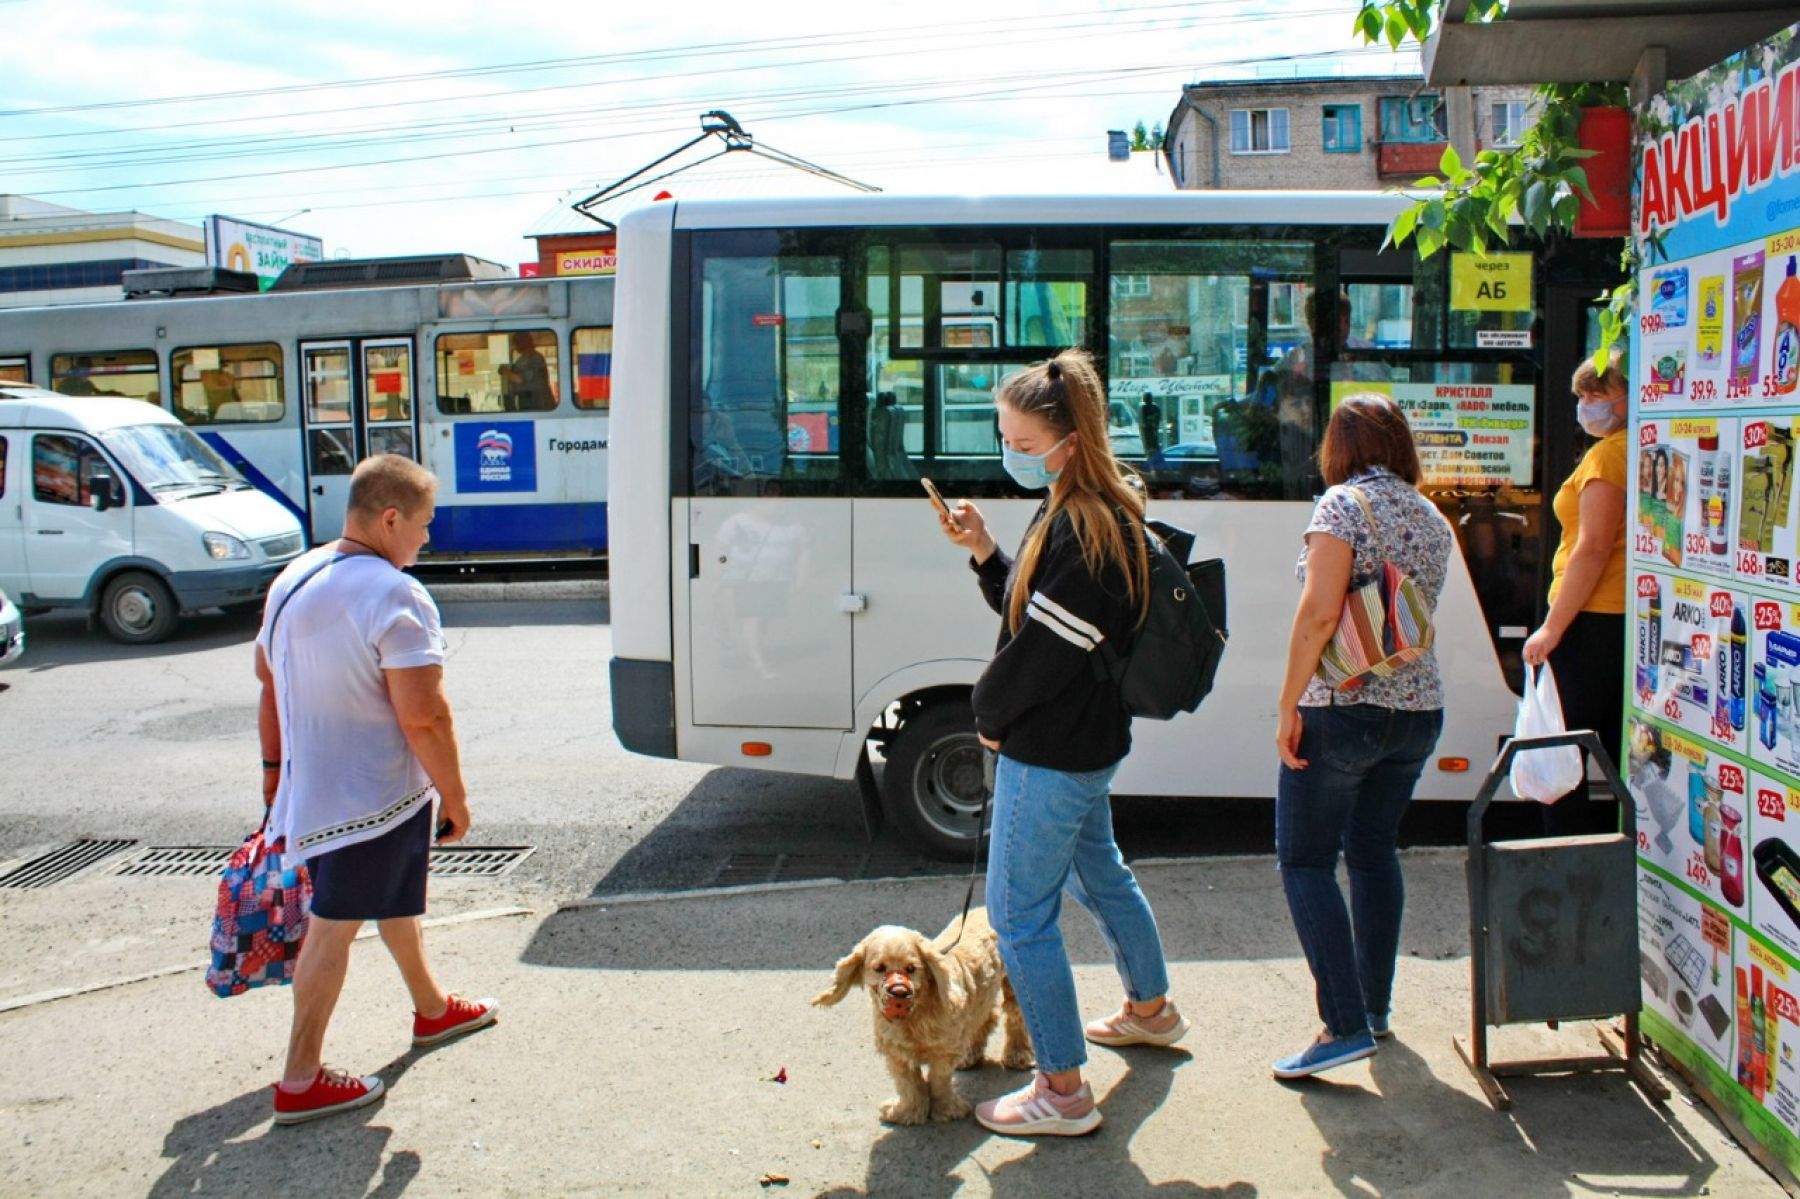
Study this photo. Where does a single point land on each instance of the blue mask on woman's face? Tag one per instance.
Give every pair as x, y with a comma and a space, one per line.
1028, 470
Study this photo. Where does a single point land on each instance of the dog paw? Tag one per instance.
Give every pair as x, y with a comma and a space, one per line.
1018, 1059
896, 1112
953, 1108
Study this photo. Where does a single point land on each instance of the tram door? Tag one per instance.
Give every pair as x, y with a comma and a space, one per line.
359, 401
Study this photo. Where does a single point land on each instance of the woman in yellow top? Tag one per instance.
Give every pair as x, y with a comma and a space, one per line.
1583, 634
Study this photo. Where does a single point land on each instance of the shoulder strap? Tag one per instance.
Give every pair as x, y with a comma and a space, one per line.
1374, 525
304, 580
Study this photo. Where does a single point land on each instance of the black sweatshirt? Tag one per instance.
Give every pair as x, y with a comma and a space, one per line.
1040, 696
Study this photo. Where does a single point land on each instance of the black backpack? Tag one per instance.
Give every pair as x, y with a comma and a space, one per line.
1174, 655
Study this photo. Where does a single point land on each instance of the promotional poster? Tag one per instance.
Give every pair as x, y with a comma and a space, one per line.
1713, 723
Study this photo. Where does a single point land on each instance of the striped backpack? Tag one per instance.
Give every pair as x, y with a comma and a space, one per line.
1385, 624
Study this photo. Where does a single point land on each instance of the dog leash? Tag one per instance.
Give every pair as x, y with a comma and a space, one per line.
988, 758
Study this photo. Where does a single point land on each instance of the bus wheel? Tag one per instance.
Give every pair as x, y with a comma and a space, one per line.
933, 787
136, 608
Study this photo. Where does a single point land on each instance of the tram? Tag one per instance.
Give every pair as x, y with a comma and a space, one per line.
501, 386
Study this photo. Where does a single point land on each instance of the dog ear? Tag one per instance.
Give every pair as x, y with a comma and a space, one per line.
849, 969
945, 980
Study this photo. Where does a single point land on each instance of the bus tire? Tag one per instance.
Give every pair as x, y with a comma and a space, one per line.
137, 608
933, 788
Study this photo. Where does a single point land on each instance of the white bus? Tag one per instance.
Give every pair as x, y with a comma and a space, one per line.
781, 596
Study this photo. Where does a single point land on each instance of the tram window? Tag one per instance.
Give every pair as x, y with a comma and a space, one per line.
60, 468
331, 451
388, 382
2, 467
227, 385
958, 287
392, 439
1210, 367
128, 373
593, 367
514, 371
766, 375
15, 369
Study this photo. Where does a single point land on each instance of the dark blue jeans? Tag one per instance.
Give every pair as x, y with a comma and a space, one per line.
1362, 764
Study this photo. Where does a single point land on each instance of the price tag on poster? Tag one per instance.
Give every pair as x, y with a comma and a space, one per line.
1691, 656
1682, 492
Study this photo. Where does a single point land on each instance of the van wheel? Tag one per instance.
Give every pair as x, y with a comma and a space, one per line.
933, 787
138, 609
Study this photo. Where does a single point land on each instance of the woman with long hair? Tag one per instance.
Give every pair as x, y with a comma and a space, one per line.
1080, 581
1350, 760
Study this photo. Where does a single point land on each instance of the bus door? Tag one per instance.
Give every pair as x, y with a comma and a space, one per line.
359, 401
770, 597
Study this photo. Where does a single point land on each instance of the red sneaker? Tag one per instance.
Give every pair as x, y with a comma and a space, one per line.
462, 1016
331, 1092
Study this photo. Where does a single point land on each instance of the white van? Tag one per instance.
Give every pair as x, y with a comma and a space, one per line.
115, 507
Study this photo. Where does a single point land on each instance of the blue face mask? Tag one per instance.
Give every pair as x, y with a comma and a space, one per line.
1028, 470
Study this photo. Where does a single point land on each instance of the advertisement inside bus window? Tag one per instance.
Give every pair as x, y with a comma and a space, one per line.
1468, 434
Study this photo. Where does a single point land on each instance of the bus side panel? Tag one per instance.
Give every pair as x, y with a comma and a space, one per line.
638, 484
1227, 748
514, 482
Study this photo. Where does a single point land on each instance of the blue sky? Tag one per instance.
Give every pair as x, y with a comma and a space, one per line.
926, 95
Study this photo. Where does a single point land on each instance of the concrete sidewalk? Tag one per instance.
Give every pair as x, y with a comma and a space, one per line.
638, 1040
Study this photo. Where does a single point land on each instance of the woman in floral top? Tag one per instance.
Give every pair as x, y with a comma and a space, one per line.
1350, 760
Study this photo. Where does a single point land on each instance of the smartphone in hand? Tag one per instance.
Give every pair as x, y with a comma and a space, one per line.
938, 500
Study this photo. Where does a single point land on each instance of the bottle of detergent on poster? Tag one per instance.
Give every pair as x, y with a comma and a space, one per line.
1718, 510
1739, 650
1697, 802
1759, 1036
1786, 359
1746, 1050
1731, 856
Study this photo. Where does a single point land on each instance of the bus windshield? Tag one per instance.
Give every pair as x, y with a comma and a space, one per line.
169, 458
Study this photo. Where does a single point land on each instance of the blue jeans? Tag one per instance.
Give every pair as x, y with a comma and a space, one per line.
1053, 830
1362, 764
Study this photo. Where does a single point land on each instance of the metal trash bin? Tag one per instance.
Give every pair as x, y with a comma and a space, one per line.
1553, 933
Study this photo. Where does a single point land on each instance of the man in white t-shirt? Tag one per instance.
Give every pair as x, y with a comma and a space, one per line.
357, 741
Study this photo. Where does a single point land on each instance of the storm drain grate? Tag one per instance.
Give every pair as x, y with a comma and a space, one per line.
62, 863
178, 861
742, 869
478, 861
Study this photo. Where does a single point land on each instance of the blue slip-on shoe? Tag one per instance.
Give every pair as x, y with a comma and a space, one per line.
1379, 1028
1326, 1053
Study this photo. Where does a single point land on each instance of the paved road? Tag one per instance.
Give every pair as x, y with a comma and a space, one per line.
159, 744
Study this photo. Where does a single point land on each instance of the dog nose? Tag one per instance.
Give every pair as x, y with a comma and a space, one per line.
897, 985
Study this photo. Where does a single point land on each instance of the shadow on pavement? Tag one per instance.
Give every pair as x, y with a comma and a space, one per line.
341, 1155
62, 638
1373, 1135
933, 1161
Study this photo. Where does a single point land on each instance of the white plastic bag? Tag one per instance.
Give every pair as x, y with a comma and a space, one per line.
1543, 774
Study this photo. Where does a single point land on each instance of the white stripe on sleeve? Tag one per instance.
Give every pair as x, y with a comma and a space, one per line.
1060, 621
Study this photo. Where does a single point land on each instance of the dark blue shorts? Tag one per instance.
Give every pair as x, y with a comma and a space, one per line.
379, 879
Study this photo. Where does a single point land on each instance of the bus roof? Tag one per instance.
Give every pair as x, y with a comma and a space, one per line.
25, 407
1221, 207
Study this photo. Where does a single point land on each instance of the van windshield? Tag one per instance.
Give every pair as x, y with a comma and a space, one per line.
169, 458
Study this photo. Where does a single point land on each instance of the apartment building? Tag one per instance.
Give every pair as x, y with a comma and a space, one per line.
1336, 133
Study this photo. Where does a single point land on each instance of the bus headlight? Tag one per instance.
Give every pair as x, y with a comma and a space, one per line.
223, 545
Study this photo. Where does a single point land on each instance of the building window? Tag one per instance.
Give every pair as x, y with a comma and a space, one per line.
1343, 129
1259, 131
1413, 119
1509, 123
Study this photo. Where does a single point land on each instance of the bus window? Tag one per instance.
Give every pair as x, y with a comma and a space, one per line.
15, 369
1047, 297
128, 373
514, 371
593, 367
765, 384
1210, 366
220, 385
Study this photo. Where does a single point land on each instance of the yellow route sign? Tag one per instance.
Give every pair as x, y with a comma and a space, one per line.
1497, 283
